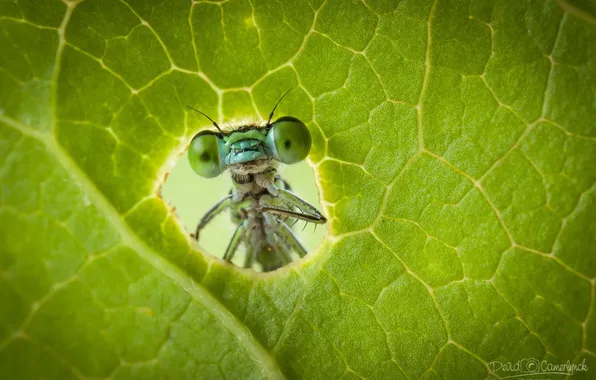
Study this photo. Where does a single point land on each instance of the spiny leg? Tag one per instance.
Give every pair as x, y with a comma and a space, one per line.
274, 253
234, 242
209, 215
285, 203
286, 232
283, 250
301, 204
294, 214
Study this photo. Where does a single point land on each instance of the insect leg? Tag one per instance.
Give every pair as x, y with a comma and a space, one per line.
282, 183
294, 214
286, 185
286, 232
216, 209
277, 205
266, 179
234, 242
274, 254
282, 249
250, 256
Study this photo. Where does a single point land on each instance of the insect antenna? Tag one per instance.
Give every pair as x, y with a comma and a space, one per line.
210, 119
276, 104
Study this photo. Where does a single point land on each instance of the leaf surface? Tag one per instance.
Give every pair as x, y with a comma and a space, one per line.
454, 146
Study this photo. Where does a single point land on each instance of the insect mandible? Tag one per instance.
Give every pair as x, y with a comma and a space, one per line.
261, 201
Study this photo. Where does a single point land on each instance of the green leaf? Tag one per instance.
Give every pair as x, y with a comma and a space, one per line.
454, 146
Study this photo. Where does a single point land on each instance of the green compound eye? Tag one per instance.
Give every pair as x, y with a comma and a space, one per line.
205, 154
289, 140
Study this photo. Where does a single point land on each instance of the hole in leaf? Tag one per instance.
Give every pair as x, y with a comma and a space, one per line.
192, 196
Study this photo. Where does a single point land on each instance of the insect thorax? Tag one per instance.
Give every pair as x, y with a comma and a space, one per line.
253, 177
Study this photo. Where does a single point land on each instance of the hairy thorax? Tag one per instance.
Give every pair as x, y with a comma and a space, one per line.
254, 178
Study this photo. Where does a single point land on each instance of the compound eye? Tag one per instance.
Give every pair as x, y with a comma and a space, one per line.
289, 140
204, 154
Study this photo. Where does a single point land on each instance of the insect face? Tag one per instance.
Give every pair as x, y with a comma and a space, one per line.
245, 147
286, 140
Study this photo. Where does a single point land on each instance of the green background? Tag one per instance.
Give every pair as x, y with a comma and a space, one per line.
454, 147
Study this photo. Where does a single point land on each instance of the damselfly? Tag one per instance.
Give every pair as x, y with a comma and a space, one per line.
260, 202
